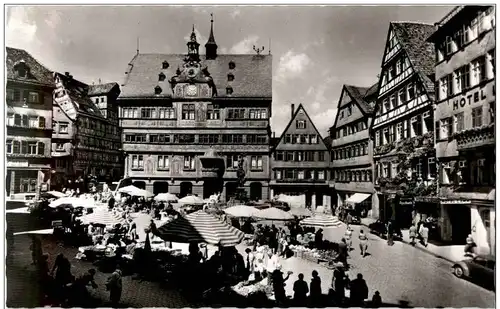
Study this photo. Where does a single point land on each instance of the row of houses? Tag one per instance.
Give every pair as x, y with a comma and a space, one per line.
418, 144
59, 130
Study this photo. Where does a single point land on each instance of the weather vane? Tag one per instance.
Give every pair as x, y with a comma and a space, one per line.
258, 50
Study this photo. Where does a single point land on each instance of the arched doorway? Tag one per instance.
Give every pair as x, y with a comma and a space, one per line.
319, 199
212, 186
186, 189
230, 190
140, 184
160, 187
255, 191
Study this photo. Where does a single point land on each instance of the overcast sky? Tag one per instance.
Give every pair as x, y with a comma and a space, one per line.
315, 49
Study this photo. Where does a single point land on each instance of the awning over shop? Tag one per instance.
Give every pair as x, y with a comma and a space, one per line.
357, 198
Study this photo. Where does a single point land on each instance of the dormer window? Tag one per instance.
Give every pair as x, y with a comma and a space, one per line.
232, 65
230, 77
165, 65
21, 69
158, 90
229, 90
161, 77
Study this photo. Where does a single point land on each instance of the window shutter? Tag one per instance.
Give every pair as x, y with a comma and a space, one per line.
41, 148
41, 122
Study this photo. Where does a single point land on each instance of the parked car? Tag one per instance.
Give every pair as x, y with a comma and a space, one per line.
480, 268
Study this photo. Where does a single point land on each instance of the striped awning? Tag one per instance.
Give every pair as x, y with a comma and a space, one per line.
321, 220
200, 227
103, 217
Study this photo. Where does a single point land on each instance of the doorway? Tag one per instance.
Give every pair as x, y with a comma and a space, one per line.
140, 184
186, 189
255, 191
160, 187
211, 187
231, 190
460, 219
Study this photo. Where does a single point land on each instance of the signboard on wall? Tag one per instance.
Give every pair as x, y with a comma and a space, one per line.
476, 96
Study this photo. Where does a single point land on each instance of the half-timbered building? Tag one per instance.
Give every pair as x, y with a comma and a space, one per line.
403, 126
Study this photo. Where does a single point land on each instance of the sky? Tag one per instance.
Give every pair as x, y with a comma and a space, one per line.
316, 49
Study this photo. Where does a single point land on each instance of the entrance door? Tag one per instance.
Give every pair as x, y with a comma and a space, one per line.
211, 187
186, 189
460, 219
255, 191
160, 187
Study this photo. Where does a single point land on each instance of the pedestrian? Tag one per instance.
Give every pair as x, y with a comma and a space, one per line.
36, 250
376, 300
79, 294
390, 233
470, 244
413, 234
114, 286
342, 252
363, 243
62, 269
259, 264
318, 239
250, 261
315, 293
300, 290
348, 237
278, 283
359, 291
339, 284
424, 233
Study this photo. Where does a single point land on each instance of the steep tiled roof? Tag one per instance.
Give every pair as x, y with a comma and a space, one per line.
78, 93
38, 74
101, 89
252, 74
358, 94
413, 39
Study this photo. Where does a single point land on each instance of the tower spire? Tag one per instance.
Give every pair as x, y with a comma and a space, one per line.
211, 46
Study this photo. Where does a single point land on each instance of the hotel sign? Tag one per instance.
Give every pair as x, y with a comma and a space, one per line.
478, 95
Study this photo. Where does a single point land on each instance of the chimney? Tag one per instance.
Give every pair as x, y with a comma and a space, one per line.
293, 110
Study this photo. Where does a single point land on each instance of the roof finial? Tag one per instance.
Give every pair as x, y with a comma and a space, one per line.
138, 45
258, 50
212, 18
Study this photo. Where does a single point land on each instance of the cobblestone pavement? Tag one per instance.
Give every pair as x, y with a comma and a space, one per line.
22, 290
399, 272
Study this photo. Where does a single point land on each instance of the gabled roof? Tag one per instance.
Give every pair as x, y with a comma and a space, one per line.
78, 93
413, 39
101, 89
38, 73
362, 96
252, 75
358, 94
300, 107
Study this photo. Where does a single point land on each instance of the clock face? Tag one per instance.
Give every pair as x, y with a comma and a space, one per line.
191, 90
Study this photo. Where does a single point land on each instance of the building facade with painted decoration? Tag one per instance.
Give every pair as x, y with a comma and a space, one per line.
403, 126
300, 162
28, 125
187, 119
84, 142
465, 120
352, 151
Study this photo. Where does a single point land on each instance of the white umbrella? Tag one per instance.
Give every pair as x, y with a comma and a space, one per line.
273, 213
74, 202
241, 211
134, 191
102, 216
22, 210
321, 220
56, 194
39, 232
191, 200
166, 197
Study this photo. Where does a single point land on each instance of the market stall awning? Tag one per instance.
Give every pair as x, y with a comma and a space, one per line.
200, 227
358, 198
37, 232
321, 220
274, 213
241, 211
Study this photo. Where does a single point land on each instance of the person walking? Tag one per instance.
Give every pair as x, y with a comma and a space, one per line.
359, 291
413, 234
300, 290
363, 243
342, 252
114, 286
315, 293
424, 233
348, 237
250, 261
469, 246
